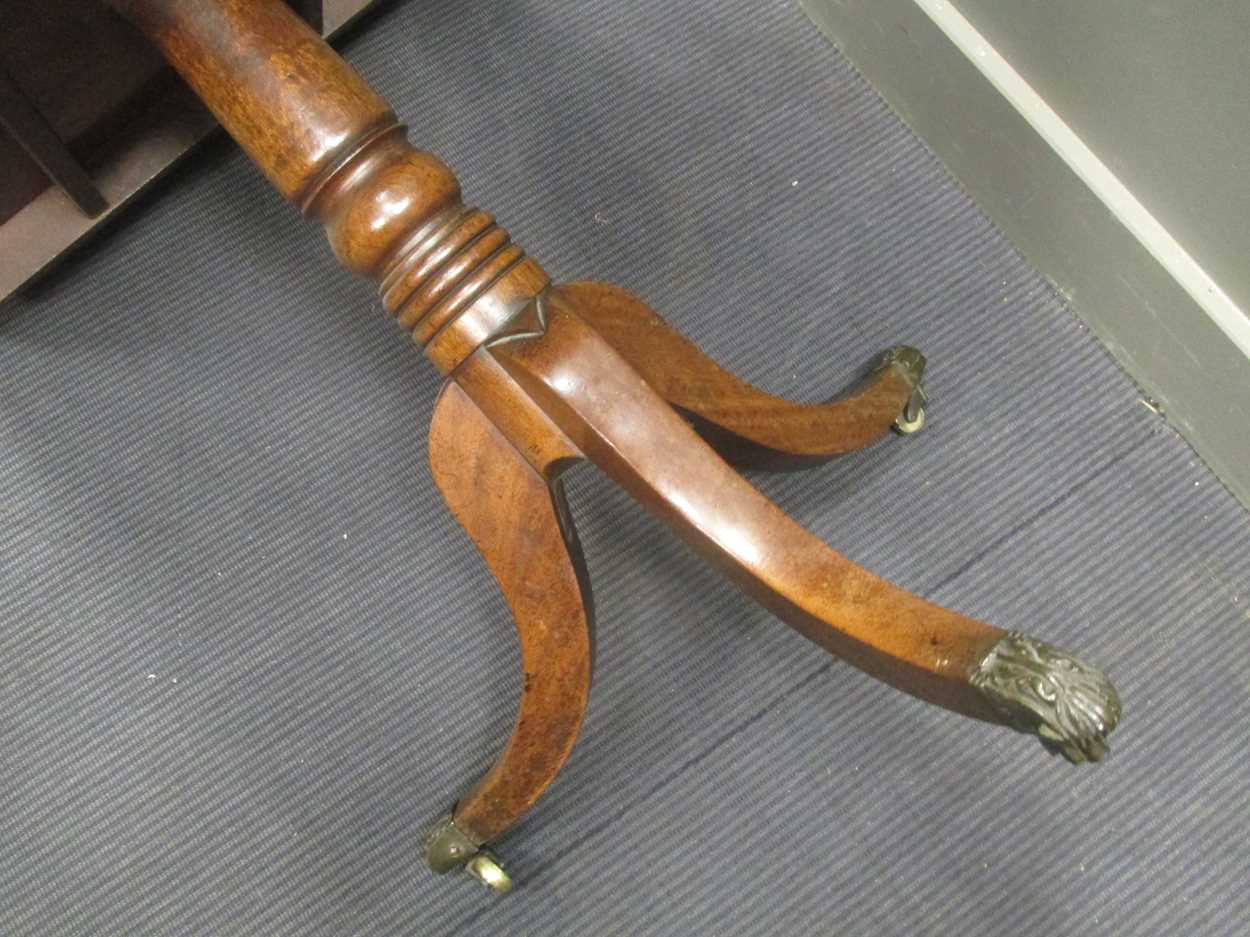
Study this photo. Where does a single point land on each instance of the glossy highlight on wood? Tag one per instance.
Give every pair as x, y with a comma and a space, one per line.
541, 377
333, 147
747, 426
490, 486
580, 380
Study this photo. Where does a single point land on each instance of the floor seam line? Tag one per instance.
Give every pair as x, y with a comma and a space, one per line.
677, 772
1037, 515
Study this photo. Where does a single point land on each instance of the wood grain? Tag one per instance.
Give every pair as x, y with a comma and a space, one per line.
746, 425
516, 515
616, 418
540, 377
334, 148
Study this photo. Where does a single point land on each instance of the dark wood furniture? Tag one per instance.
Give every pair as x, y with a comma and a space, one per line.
540, 376
89, 115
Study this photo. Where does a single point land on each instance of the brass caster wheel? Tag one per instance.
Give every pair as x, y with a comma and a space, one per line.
447, 847
912, 419
486, 869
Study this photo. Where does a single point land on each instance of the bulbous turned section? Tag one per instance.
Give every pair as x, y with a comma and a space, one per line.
1042, 690
464, 237
381, 200
394, 213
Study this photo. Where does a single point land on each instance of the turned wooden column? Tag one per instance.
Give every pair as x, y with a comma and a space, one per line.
334, 148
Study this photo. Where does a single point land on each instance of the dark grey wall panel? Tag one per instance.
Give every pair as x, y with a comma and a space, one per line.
1156, 90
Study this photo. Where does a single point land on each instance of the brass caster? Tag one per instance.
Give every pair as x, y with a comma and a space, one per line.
486, 869
911, 363
912, 419
447, 847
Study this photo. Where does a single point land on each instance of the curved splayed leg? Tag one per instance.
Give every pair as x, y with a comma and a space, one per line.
745, 425
618, 421
512, 506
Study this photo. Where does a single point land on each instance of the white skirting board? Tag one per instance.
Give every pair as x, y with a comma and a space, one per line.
1170, 325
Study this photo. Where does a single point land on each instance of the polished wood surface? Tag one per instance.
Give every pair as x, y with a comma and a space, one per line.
747, 426
274, 84
578, 378
328, 143
490, 486
540, 377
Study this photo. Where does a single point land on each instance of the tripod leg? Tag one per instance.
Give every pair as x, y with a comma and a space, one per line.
519, 521
747, 426
938, 655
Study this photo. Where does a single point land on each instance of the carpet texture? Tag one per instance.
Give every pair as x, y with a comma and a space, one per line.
246, 656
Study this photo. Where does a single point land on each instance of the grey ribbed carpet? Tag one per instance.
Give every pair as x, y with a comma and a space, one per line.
246, 656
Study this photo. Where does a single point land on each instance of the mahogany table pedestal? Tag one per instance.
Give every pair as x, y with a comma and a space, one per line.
541, 376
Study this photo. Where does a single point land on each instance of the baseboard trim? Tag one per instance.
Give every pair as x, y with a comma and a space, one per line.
1171, 326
